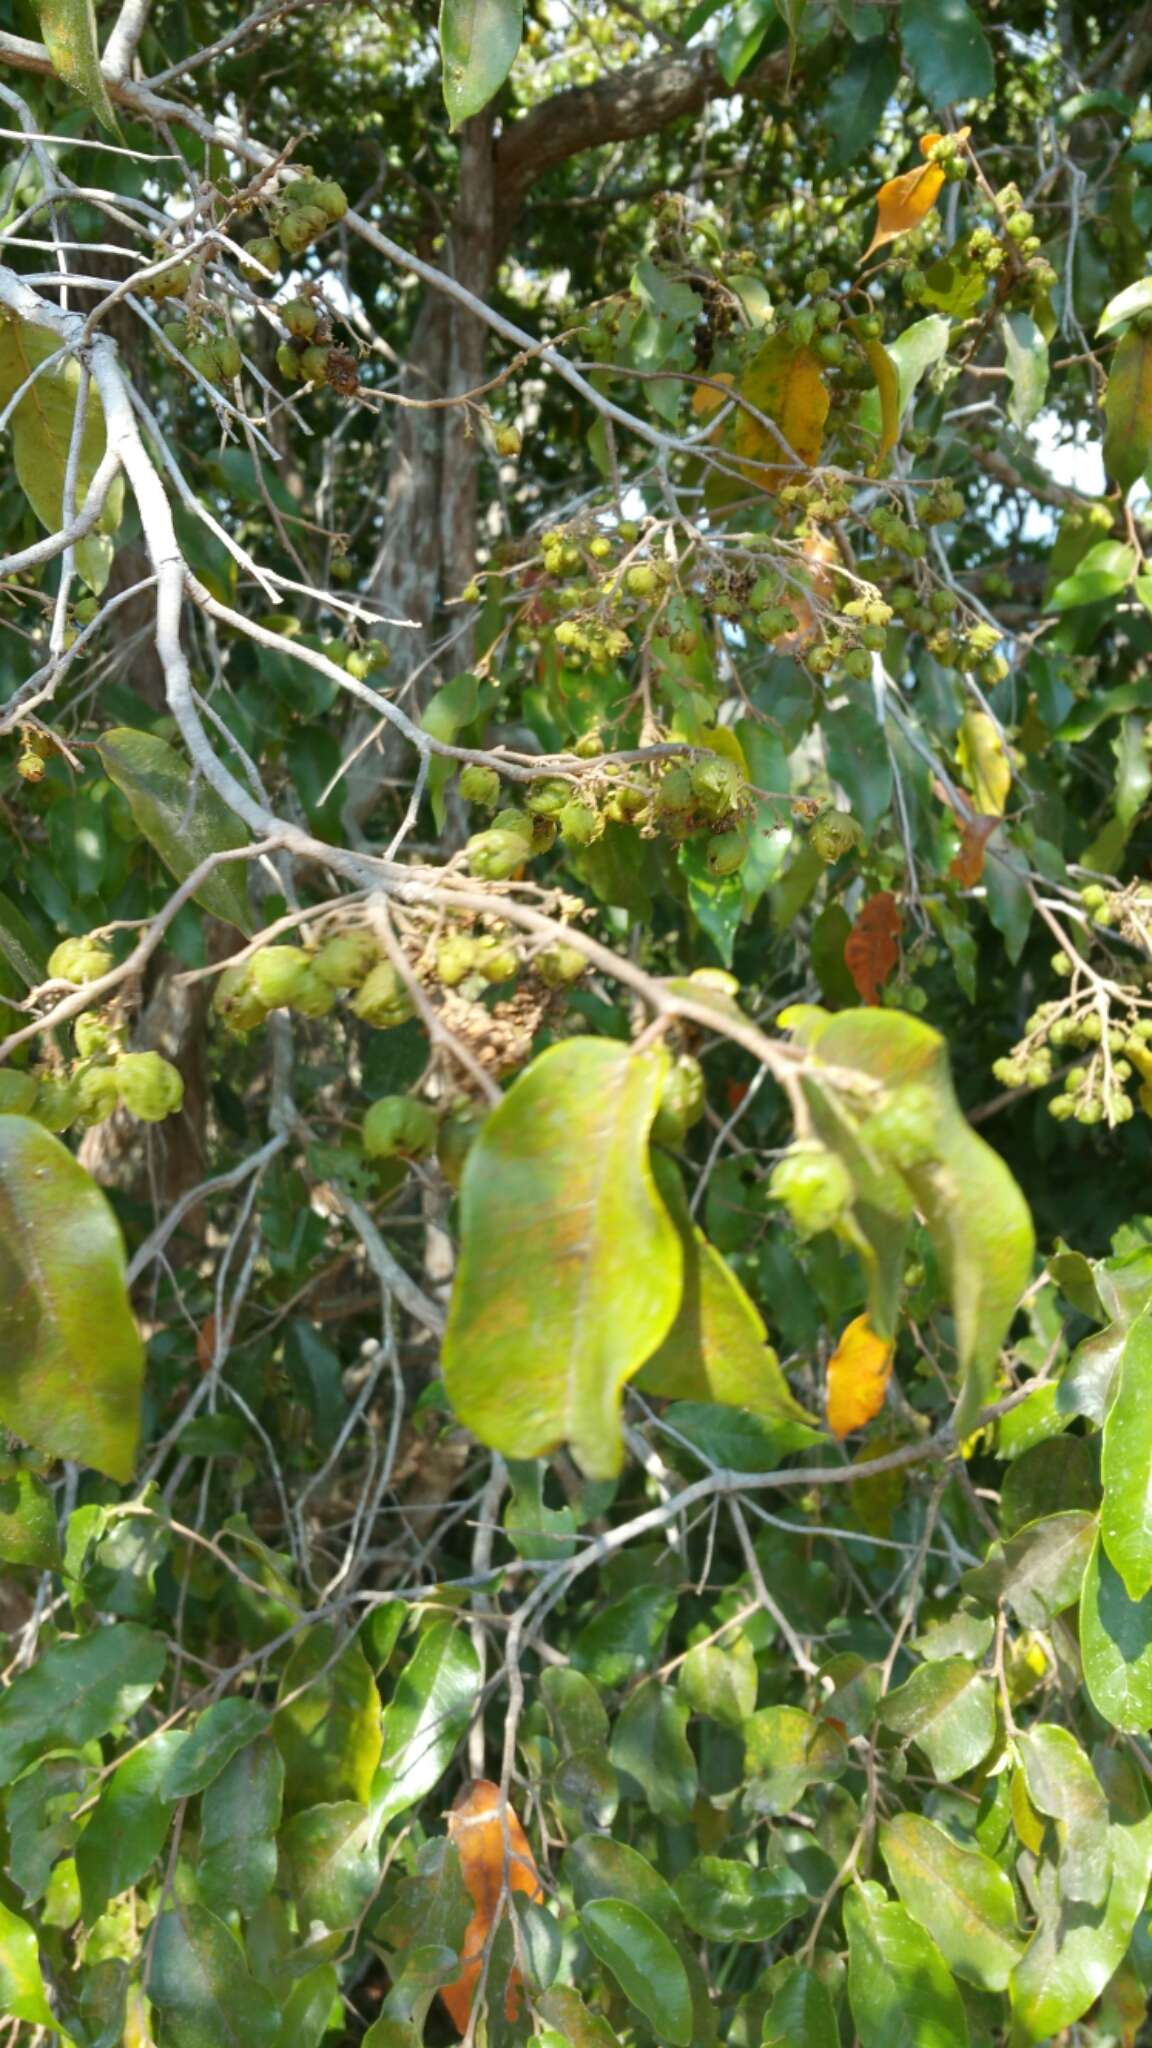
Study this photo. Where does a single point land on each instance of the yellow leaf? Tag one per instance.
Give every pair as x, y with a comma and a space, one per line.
984, 763
787, 386
705, 399
905, 201
858, 1374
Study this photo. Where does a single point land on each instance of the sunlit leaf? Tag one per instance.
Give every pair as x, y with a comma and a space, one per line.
69, 30
42, 426
478, 44
904, 202
858, 1374
958, 1896
900, 1990
984, 762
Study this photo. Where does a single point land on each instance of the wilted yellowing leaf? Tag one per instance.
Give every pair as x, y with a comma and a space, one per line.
706, 399
492, 1847
817, 551
787, 385
984, 762
858, 1374
905, 201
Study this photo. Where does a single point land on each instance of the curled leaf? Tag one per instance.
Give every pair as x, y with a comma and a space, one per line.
967, 866
905, 201
984, 762
858, 1374
872, 948
494, 1852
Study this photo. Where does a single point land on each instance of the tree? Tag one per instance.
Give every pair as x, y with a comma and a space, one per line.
575, 1272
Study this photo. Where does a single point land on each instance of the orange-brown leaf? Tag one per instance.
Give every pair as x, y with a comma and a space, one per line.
872, 948
905, 201
817, 552
492, 1848
858, 1374
787, 386
975, 831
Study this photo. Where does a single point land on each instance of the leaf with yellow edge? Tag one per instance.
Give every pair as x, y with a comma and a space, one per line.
858, 1374
905, 201
1128, 410
786, 385
984, 762
41, 427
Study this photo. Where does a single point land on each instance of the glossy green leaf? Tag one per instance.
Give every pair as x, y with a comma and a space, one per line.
734, 1439
649, 1744
426, 1719
1062, 1784
28, 1533
948, 52
75, 1691
239, 1816
900, 1990
478, 44
801, 2014
1104, 572
181, 816
69, 31
1116, 1646
200, 1982
1135, 298
311, 2004
785, 1751
570, 1266
721, 1680
742, 39
41, 1828
125, 1832
22, 1993
1039, 1571
960, 1898
856, 99
597, 1867
42, 426
213, 1740
332, 1864
71, 1361
575, 1709
644, 1964
1126, 1463
1026, 360
621, 1640
328, 1727
717, 1348
1128, 410
725, 1900
949, 1710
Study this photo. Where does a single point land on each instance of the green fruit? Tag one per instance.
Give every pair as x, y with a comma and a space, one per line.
1094, 897
546, 799
360, 662
495, 959
497, 853
79, 960
92, 1033
18, 1092
717, 786
331, 198
725, 852
56, 1105
314, 364
455, 959
508, 441
399, 1124
834, 834
681, 1101
814, 1186
589, 746
277, 973
150, 1086
454, 1140
229, 360
314, 997
288, 362
580, 823
674, 791
265, 249
237, 1002
641, 580
203, 358
345, 960
1061, 1107
559, 965
295, 231
906, 1127
383, 999
479, 785
97, 1094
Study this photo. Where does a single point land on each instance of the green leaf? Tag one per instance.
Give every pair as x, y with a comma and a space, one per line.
959, 1897
427, 1717
1135, 298
125, 1832
901, 1994
649, 1743
1074, 1953
949, 1711
855, 101
801, 2014
42, 426
181, 816
69, 31
724, 1900
785, 1751
1026, 360
735, 1439
742, 40
218, 1733
332, 1865
239, 1816
721, 1680
308, 2013
1039, 1571
201, 1985
1116, 1646
570, 1266
478, 44
329, 1734
622, 1638
20, 946
644, 1964
1102, 573
22, 1993
41, 1827
1062, 1784
76, 1691
71, 1361
597, 1867
1128, 410
1126, 1463
916, 351
717, 1348
948, 52
576, 1711
28, 1532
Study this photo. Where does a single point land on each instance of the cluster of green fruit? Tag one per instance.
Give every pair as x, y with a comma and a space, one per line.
215, 354
144, 1083
681, 799
973, 646
298, 215
1127, 910
308, 356
1118, 1049
814, 1184
402, 1127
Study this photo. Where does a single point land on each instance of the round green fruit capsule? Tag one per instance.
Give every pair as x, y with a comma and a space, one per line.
97, 1093
641, 580
399, 1124
834, 834
546, 799
717, 786
674, 790
814, 1186
92, 1033
496, 854
150, 1086
681, 1101
580, 822
725, 853
277, 973
288, 362
265, 249
229, 360
344, 960
559, 965
56, 1105
331, 198
79, 960
479, 785
17, 1092
455, 959
314, 997
495, 959
237, 1002
314, 364
382, 999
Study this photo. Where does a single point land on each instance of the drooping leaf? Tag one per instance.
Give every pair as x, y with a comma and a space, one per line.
71, 1361
219, 1732
69, 31
960, 1898
1062, 1784
967, 866
41, 1828
900, 1990
1135, 298
1116, 1646
1126, 1464
949, 55
904, 202
949, 1710
1039, 1569
42, 427
1026, 360
181, 816
494, 1852
1128, 410
239, 1816
426, 1718
650, 1745
478, 44
872, 948
332, 1864
126, 1831
801, 2014
644, 1964
855, 100
1103, 572
570, 1266
309, 2007
200, 1982
858, 1374
76, 1691
328, 1725
984, 762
